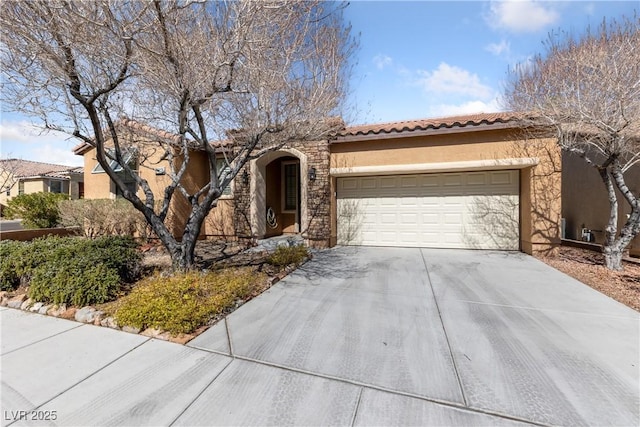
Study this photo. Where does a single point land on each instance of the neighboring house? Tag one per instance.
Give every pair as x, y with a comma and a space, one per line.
146, 158
25, 176
585, 204
456, 182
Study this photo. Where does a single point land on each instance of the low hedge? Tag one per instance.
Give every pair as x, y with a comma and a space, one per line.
286, 255
70, 270
185, 301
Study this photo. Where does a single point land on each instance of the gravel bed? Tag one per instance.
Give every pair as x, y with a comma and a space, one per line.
587, 267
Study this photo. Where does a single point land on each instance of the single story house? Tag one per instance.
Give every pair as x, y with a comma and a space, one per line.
19, 176
468, 181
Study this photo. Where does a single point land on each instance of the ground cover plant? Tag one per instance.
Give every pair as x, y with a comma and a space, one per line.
185, 301
285, 255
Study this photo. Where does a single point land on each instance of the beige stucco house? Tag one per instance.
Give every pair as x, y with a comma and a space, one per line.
456, 182
25, 177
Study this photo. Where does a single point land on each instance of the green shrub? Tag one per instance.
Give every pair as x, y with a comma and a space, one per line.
70, 270
10, 256
74, 282
185, 301
285, 255
80, 271
37, 210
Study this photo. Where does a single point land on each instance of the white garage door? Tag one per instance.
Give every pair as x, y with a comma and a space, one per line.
475, 210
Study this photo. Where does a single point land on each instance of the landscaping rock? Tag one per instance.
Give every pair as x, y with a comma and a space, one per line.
4, 298
109, 322
16, 301
44, 309
27, 304
57, 310
69, 313
85, 315
131, 329
36, 307
99, 315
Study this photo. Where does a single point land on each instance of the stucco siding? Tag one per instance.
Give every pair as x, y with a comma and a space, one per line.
585, 201
540, 182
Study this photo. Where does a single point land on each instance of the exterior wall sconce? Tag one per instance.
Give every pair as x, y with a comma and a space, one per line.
245, 177
312, 174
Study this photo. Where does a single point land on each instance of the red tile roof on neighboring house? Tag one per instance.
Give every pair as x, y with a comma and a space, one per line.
141, 129
442, 123
30, 169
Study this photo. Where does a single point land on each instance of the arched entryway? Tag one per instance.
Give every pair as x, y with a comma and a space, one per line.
279, 188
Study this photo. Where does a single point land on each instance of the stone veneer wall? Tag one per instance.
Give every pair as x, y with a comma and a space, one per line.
242, 207
318, 231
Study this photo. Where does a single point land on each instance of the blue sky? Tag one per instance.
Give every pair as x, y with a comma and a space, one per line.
416, 59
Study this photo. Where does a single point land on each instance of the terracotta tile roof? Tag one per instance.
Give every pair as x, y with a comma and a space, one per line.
426, 124
29, 168
145, 130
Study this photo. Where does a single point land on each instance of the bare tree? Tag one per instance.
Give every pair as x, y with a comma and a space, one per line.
252, 74
8, 169
585, 91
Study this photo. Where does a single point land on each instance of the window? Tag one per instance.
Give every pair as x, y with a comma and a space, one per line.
290, 190
128, 157
20, 187
223, 168
55, 186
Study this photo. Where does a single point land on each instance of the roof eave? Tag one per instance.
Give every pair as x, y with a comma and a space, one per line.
82, 148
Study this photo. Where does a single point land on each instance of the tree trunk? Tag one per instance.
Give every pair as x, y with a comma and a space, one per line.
613, 257
614, 244
181, 258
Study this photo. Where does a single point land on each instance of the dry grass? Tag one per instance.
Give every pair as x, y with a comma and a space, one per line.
587, 267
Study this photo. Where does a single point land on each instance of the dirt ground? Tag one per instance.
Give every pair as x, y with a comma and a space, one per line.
587, 267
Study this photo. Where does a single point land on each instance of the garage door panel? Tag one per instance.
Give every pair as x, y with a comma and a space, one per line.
449, 210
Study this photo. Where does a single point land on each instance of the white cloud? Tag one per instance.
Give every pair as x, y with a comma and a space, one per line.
26, 132
22, 139
468, 107
504, 47
59, 156
449, 79
521, 15
381, 61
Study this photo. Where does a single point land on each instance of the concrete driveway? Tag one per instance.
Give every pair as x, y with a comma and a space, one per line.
358, 336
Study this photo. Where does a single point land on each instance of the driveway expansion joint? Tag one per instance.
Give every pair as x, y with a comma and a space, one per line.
444, 330
86, 377
45, 338
226, 328
355, 411
197, 396
363, 386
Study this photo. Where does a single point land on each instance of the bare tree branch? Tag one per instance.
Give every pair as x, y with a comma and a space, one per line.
231, 79
585, 91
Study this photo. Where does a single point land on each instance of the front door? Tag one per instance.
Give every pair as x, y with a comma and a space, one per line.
282, 196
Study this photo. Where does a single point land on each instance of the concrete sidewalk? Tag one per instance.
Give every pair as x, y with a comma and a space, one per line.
358, 336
